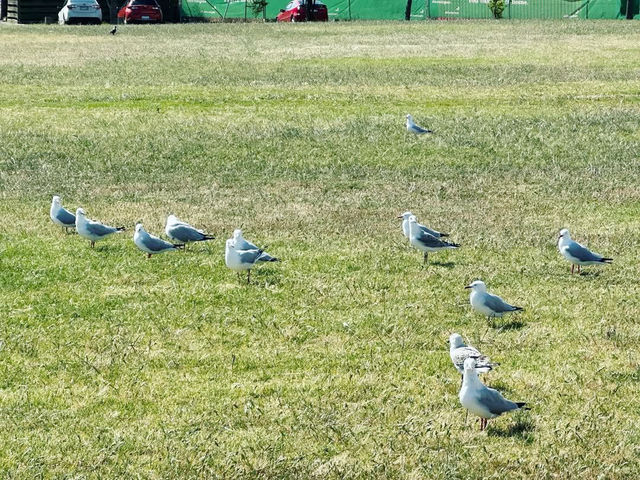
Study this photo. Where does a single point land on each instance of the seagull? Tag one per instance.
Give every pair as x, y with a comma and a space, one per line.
487, 304
459, 352
413, 128
114, 30
242, 244
576, 253
92, 230
182, 232
480, 400
60, 215
150, 244
239, 260
425, 242
405, 227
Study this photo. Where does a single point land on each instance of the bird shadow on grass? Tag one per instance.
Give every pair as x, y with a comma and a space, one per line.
510, 325
441, 264
522, 428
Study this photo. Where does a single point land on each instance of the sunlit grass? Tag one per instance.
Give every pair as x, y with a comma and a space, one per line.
333, 363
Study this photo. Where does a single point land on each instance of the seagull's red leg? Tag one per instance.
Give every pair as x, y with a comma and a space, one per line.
148, 255
93, 244
572, 265
578, 268
248, 276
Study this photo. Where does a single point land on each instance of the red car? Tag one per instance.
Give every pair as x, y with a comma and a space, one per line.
141, 11
296, 11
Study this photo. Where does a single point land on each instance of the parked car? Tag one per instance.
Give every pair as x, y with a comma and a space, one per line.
141, 11
296, 11
80, 11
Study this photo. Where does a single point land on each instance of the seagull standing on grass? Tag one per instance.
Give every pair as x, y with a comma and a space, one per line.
150, 244
405, 227
182, 232
413, 128
92, 230
242, 244
487, 304
425, 242
61, 216
480, 400
578, 254
239, 260
459, 352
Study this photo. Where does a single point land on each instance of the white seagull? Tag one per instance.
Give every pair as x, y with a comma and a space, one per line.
578, 254
405, 227
425, 242
60, 215
92, 230
487, 304
459, 352
182, 232
239, 260
413, 128
150, 244
241, 243
480, 400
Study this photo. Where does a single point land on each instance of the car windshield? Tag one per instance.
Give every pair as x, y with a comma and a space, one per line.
144, 2
81, 2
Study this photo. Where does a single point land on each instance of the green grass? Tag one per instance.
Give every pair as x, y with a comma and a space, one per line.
333, 363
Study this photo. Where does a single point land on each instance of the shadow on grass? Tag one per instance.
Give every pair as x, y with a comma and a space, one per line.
441, 264
522, 428
510, 325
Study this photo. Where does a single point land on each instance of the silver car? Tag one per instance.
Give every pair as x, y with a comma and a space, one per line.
80, 11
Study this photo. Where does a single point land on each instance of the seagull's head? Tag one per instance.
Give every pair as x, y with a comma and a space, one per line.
477, 286
412, 219
230, 244
139, 227
564, 233
171, 219
237, 233
470, 364
409, 117
455, 340
56, 200
80, 212
405, 215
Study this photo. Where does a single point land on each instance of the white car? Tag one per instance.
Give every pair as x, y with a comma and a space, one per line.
80, 11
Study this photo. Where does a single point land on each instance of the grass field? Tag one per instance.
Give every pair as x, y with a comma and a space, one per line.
334, 362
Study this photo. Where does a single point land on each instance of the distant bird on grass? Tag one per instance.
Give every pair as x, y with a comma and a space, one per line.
425, 242
578, 254
242, 244
487, 304
240, 260
60, 215
480, 400
92, 230
405, 227
150, 244
415, 129
114, 30
182, 232
459, 352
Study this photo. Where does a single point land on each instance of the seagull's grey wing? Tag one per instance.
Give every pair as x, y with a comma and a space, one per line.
248, 256
432, 242
498, 305
265, 257
582, 253
66, 217
99, 229
246, 245
156, 244
186, 233
428, 231
418, 129
460, 354
495, 402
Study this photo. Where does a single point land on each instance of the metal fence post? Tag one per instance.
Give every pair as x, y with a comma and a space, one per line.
349, 10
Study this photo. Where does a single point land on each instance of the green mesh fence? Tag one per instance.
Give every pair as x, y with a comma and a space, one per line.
421, 9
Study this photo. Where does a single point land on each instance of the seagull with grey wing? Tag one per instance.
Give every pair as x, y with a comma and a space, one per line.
426, 242
152, 245
487, 304
182, 232
242, 244
92, 230
60, 215
240, 260
578, 254
459, 352
405, 227
481, 400
415, 129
